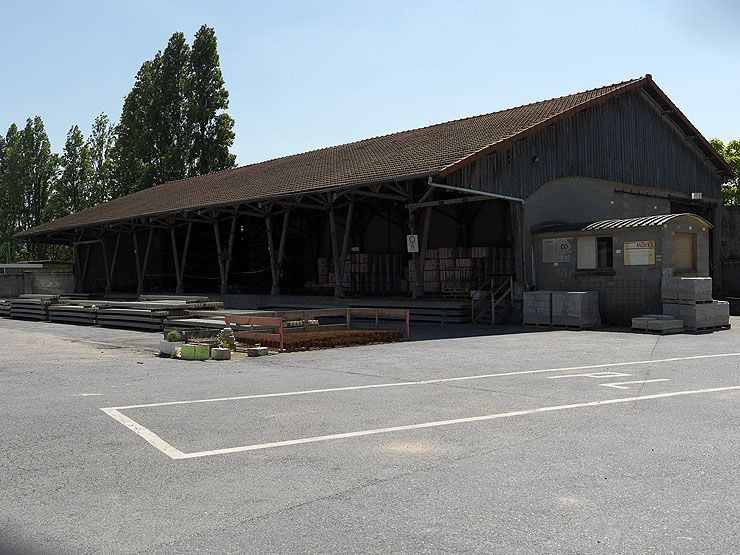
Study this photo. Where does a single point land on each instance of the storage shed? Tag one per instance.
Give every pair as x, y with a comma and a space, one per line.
340, 221
624, 260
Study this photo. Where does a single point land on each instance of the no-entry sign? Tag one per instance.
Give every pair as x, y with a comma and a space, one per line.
412, 243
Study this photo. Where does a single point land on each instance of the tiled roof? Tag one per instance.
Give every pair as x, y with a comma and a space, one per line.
646, 221
395, 157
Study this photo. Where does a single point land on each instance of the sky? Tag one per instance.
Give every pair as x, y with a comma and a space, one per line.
304, 75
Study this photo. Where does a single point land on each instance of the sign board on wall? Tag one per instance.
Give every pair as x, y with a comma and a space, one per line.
555, 250
639, 253
412, 243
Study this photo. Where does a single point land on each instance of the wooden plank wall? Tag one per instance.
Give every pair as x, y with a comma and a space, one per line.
626, 139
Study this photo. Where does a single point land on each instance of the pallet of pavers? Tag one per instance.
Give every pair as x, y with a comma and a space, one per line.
537, 308
33, 307
657, 323
690, 299
575, 309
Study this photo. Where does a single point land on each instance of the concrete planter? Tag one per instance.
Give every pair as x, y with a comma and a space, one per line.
220, 353
166, 348
195, 352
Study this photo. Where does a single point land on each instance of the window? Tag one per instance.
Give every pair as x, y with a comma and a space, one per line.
604, 252
595, 253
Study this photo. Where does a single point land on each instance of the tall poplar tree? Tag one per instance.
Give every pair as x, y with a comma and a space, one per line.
73, 190
211, 127
173, 123
100, 147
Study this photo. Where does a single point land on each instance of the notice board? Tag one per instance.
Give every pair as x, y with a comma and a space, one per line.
639, 253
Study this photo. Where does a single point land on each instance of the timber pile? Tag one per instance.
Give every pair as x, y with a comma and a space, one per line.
4, 308
76, 312
33, 307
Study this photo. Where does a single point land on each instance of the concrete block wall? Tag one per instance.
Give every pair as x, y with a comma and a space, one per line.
41, 283
730, 250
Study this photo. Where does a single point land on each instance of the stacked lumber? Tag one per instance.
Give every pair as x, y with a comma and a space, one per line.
575, 309
76, 312
4, 308
33, 307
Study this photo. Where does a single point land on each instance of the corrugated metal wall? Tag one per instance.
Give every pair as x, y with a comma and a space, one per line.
625, 139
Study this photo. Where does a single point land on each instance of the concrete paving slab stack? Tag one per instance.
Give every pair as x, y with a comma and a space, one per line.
537, 308
576, 308
690, 299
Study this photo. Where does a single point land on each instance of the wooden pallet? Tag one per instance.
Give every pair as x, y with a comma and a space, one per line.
660, 332
708, 329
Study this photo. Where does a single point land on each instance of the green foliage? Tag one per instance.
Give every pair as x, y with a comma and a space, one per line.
173, 123
731, 153
72, 192
174, 336
100, 146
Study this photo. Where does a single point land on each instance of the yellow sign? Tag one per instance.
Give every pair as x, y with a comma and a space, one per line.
639, 253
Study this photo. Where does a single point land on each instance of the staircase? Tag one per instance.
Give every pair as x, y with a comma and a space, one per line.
492, 304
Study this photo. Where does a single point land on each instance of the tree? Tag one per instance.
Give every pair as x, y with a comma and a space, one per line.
72, 192
100, 147
731, 153
211, 127
173, 123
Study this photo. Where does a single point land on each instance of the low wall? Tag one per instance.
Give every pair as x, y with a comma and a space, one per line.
41, 283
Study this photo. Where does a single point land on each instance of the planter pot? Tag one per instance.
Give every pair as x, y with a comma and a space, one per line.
220, 353
257, 351
166, 348
195, 352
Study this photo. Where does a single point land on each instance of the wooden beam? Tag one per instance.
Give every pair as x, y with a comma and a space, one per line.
275, 289
232, 232
175, 258
180, 287
112, 269
447, 202
84, 266
219, 252
347, 228
338, 277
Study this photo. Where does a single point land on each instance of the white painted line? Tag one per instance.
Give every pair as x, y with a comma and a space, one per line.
173, 453
426, 382
90, 394
590, 375
625, 385
146, 433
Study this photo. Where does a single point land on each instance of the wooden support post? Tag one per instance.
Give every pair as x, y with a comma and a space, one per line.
141, 266
84, 266
76, 267
420, 257
227, 268
180, 287
220, 253
110, 269
105, 264
175, 257
338, 264
275, 289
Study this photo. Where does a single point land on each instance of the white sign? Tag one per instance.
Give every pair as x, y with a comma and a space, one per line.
412, 243
639, 253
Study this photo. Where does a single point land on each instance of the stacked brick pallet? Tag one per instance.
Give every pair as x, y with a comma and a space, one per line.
450, 268
537, 308
366, 273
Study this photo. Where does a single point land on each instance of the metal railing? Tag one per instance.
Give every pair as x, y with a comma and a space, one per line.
489, 296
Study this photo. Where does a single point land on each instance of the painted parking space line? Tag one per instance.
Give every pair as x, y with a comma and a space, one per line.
176, 454
428, 382
590, 375
626, 385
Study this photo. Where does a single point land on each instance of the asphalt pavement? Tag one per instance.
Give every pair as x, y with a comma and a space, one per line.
494, 441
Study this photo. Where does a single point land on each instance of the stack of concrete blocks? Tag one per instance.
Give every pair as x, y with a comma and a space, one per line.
537, 308
657, 322
690, 299
576, 309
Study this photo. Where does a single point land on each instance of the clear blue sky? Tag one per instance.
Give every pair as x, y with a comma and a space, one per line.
303, 75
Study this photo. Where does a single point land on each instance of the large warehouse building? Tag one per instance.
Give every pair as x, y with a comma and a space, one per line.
473, 192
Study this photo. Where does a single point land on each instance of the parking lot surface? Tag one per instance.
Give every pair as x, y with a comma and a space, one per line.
528, 442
